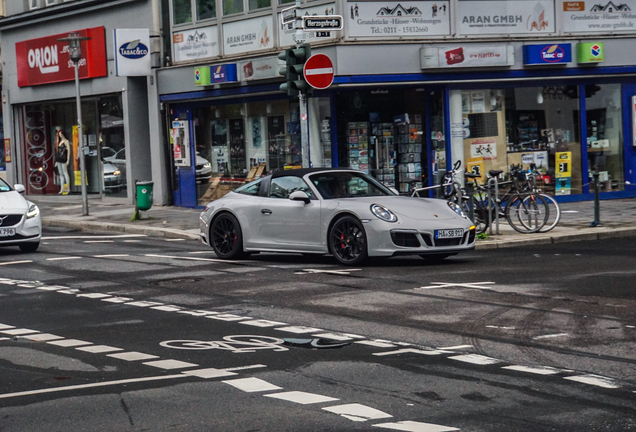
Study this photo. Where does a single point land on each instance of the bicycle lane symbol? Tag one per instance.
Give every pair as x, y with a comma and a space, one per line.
236, 344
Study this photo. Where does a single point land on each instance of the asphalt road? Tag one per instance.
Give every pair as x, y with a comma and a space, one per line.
123, 333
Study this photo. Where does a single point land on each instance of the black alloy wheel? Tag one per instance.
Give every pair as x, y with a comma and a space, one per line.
226, 237
348, 241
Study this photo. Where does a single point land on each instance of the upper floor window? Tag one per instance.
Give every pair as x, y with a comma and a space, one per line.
232, 7
259, 4
181, 11
206, 9
34, 4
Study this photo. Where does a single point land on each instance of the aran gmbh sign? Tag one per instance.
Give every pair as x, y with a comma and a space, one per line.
132, 52
46, 60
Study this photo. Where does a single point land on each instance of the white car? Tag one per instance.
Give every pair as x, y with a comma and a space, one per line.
20, 222
343, 212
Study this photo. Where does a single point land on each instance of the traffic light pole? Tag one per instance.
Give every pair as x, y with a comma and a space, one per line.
302, 99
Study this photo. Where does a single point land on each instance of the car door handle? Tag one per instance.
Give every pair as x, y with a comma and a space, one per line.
266, 211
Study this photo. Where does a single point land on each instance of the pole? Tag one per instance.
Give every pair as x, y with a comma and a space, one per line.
304, 130
81, 142
597, 205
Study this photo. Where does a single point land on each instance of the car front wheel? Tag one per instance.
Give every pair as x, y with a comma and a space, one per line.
226, 237
348, 241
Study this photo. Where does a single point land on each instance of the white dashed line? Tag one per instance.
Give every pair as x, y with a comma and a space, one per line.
251, 385
70, 343
167, 308
550, 336
358, 412
476, 359
411, 426
170, 364
63, 258
302, 398
132, 356
111, 256
543, 370
227, 317
117, 299
144, 303
99, 241
16, 262
595, 380
95, 295
98, 349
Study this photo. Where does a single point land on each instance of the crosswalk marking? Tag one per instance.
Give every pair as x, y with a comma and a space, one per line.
170, 364
475, 359
98, 349
69, 342
251, 385
132, 356
358, 412
18, 332
595, 380
412, 426
302, 398
436, 285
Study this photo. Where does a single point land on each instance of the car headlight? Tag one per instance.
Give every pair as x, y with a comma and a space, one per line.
383, 213
207, 165
33, 211
116, 172
457, 209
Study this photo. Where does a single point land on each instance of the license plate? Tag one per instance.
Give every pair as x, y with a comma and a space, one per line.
7, 232
449, 233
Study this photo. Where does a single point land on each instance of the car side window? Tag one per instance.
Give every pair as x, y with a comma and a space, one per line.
282, 187
250, 189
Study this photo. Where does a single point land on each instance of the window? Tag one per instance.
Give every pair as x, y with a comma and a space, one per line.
34, 4
282, 187
181, 11
232, 7
285, 1
259, 4
250, 188
50, 2
206, 9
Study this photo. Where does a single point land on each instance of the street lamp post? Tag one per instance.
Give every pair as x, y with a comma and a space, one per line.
75, 50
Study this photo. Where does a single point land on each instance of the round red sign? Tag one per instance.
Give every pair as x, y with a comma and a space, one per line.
318, 71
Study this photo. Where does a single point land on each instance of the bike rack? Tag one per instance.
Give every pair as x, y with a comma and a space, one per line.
491, 201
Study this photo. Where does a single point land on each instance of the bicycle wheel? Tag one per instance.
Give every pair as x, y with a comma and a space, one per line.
554, 213
527, 214
480, 215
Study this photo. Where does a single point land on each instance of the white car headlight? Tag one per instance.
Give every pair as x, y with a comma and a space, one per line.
33, 211
457, 209
207, 165
116, 172
383, 213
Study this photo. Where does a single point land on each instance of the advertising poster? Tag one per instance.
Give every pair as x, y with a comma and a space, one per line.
287, 31
505, 17
7, 150
476, 166
467, 56
485, 148
599, 17
563, 173
248, 35
397, 19
196, 44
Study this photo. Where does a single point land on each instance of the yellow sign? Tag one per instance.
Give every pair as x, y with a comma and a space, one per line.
75, 151
563, 164
476, 166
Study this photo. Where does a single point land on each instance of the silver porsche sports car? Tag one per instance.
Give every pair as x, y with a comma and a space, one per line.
340, 211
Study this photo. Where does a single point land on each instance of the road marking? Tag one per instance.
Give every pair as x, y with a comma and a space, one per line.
85, 386
5, 326
202, 252
456, 347
18, 332
476, 359
251, 385
117, 299
132, 356
43, 337
357, 412
52, 287
227, 317
299, 329
543, 370
336, 272
501, 327
144, 303
98, 349
167, 308
338, 336
95, 295
99, 241
475, 285
209, 373
302, 398
16, 262
412, 426
70, 343
197, 312
170, 364
64, 258
550, 336
595, 380
377, 343
191, 258
111, 256
262, 323
132, 241
174, 240
409, 351
120, 236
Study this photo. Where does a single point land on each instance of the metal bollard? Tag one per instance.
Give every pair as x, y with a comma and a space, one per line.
492, 206
597, 204
470, 190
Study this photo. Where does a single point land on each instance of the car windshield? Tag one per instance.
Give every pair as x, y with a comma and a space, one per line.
333, 185
4, 187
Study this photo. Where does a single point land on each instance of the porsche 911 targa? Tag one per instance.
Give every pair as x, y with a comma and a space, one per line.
344, 212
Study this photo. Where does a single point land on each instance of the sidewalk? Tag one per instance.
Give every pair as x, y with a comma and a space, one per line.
618, 219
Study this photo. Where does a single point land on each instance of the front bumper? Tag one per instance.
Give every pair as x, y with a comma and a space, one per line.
27, 231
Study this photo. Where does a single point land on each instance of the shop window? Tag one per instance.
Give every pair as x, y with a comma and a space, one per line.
181, 12
206, 9
535, 128
604, 135
259, 4
232, 7
285, 1
319, 110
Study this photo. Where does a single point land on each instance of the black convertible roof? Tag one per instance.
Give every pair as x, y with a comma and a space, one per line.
304, 171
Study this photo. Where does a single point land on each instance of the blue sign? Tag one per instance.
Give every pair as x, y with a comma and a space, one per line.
547, 54
133, 50
223, 73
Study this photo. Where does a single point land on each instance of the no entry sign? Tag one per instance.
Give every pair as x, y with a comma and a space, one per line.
318, 71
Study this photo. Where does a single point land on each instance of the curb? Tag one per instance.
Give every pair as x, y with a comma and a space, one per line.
586, 234
120, 228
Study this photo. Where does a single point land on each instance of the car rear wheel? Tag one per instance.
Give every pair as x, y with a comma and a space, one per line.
226, 237
348, 241
29, 247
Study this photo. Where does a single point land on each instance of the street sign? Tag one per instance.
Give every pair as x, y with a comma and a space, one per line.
288, 15
319, 71
321, 23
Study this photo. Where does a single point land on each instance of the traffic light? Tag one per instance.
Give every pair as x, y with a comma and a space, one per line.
295, 59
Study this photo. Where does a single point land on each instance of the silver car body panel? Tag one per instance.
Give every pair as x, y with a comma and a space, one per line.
27, 230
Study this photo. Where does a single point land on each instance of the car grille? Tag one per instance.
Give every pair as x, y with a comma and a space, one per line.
449, 241
10, 220
198, 167
405, 239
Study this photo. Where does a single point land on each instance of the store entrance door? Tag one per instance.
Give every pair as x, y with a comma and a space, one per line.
182, 145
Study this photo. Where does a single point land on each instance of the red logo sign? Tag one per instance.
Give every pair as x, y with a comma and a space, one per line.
46, 60
318, 71
455, 56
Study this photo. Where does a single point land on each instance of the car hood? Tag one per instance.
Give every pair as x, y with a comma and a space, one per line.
409, 208
202, 160
12, 202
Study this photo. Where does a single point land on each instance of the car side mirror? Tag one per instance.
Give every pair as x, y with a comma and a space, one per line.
300, 196
19, 188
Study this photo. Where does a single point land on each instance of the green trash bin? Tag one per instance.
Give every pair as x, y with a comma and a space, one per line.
144, 195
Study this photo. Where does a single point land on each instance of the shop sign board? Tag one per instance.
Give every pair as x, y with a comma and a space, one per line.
467, 56
599, 17
132, 52
563, 173
590, 52
287, 32
47, 60
392, 19
223, 73
202, 76
255, 69
318, 71
505, 17
197, 44
255, 34
547, 54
